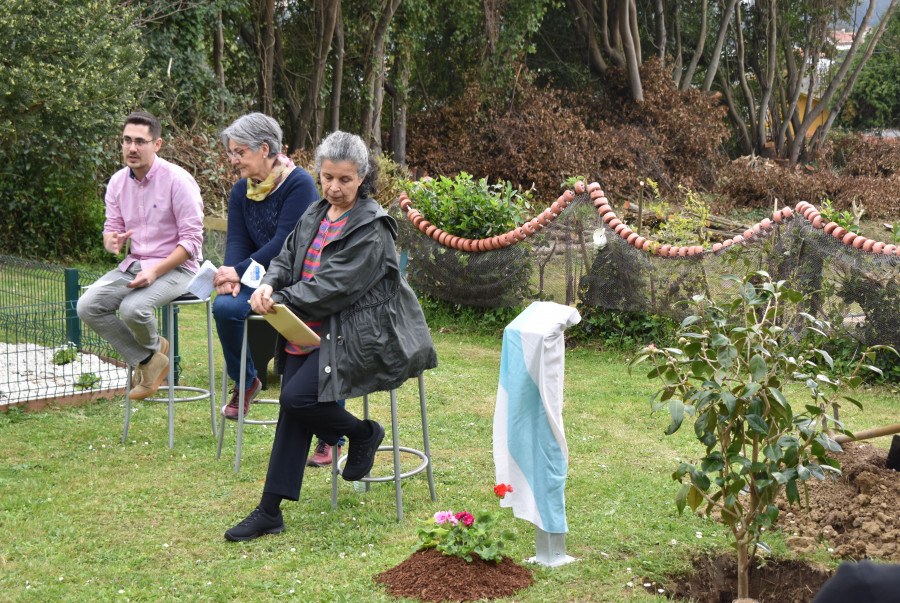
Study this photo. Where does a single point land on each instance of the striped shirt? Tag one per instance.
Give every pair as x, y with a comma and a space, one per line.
328, 231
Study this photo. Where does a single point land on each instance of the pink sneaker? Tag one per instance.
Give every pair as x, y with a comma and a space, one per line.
323, 455
231, 411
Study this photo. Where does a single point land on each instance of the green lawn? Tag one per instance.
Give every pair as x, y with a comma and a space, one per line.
86, 518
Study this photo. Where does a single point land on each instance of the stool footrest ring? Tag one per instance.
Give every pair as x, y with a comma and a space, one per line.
391, 478
203, 394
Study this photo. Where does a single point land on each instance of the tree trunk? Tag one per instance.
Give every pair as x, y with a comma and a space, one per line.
326, 12
596, 62
679, 58
813, 113
688, 75
266, 53
659, 16
630, 48
767, 83
399, 106
713, 66
742, 72
374, 64
743, 136
337, 71
218, 60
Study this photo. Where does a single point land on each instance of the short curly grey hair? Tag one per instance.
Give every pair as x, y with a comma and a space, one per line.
343, 146
253, 129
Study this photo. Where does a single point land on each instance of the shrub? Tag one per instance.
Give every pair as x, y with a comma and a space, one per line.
540, 136
69, 69
468, 208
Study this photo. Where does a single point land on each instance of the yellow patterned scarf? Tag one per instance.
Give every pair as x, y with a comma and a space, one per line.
260, 190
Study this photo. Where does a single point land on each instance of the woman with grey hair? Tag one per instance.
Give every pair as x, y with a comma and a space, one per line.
339, 272
264, 206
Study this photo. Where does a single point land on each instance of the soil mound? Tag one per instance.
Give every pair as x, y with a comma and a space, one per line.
855, 517
715, 581
430, 575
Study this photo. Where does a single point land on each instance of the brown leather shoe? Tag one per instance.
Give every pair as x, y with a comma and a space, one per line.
151, 376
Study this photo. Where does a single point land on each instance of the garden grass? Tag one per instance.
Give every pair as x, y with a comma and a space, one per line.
84, 517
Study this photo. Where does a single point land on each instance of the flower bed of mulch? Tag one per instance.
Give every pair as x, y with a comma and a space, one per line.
430, 575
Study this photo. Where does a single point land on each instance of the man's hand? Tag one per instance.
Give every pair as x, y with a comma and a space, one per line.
227, 281
144, 278
261, 300
114, 242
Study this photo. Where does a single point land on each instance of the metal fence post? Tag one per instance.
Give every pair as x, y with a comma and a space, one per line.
73, 325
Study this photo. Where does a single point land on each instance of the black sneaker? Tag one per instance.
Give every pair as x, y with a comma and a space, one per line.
255, 525
361, 455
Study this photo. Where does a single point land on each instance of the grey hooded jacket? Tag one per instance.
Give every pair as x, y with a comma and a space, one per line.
374, 335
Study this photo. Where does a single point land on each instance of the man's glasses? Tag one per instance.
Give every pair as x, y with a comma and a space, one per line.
138, 142
237, 153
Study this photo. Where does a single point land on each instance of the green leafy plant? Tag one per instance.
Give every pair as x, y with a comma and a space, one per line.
687, 226
464, 535
65, 355
621, 329
569, 183
731, 373
844, 219
468, 208
87, 381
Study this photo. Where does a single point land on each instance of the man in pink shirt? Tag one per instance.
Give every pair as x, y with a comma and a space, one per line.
157, 206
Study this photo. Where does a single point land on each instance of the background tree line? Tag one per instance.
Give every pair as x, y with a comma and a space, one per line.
530, 90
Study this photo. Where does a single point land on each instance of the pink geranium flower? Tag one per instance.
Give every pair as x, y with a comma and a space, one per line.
442, 517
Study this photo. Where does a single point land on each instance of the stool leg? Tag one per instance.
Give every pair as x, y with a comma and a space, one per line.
241, 391
366, 416
171, 384
335, 471
222, 416
212, 370
127, 403
396, 441
425, 439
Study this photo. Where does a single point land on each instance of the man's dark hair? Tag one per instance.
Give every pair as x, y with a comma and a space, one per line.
143, 118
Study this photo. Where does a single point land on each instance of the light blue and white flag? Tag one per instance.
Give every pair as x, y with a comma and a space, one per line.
530, 451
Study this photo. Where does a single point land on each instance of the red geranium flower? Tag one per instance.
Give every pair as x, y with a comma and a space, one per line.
502, 490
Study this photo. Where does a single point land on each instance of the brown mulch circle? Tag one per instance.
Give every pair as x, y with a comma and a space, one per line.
715, 580
430, 575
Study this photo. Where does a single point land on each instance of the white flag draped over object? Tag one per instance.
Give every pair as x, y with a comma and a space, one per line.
530, 451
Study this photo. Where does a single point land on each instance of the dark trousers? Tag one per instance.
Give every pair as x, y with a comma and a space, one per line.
300, 417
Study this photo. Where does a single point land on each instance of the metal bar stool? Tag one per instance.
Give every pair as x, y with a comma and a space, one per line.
200, 393
397, 476
242, 388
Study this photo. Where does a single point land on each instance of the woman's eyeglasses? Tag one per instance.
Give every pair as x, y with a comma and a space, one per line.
237, 153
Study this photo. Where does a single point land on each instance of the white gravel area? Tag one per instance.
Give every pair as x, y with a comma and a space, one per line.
27, 372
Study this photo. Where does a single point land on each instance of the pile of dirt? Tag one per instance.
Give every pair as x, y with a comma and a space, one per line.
856, 516
430, 575
715, 581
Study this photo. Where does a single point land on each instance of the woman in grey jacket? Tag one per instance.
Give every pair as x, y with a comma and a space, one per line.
338, 271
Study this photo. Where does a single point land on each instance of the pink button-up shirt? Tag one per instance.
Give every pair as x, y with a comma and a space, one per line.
164, 210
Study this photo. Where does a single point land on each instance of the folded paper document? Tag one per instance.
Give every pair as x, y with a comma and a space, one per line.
201, 286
